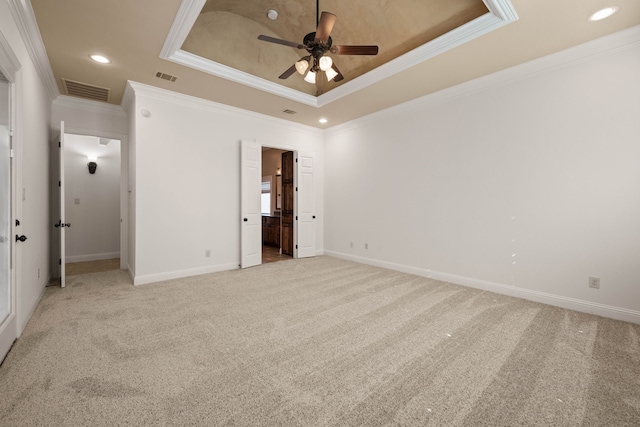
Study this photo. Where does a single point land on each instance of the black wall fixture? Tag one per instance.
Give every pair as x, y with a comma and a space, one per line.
92, 167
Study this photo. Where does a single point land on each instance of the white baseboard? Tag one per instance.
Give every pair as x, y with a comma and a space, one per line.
583, 306
159, 277
23, 320
92, 257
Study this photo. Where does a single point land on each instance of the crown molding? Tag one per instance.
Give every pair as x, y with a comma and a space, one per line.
461, 35
139, 89
501, 12
9, 62
609, 44
88, 105
219, 70
25, 20
185, 19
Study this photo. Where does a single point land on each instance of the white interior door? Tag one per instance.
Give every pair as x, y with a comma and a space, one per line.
251, 216
61, 225
8, 330
306, 214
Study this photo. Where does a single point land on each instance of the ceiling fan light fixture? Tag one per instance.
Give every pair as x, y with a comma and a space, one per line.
325, 63
331, 73
310, 77
302, 66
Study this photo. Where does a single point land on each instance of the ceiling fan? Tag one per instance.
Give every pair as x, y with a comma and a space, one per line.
317, 44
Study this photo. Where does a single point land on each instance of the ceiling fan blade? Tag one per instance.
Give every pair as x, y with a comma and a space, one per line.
339, 77
280, 41
288, 73
325, 25
355, 50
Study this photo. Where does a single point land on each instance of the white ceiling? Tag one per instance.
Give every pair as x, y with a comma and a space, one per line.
137, 35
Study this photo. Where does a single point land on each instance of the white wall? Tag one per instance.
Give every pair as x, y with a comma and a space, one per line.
92, 201
526, 182
31, 137
187, 180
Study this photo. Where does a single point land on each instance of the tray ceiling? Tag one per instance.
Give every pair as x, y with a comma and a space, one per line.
210, 48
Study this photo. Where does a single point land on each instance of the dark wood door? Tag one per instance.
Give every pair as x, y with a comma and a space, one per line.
287, 203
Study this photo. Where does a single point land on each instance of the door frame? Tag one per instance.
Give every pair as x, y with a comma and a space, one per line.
10, 67
296, 151
124, 185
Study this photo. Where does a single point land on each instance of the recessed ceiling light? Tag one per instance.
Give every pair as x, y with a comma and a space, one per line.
101, 59
323, 120
272, 14
603, 13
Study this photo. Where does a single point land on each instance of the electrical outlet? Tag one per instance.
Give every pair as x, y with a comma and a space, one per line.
207, 253
594, 282
351, 244
38, 273
366, 246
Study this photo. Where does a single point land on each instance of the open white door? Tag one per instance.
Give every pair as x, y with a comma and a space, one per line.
306, 214
250, 212
8, 331
59, 200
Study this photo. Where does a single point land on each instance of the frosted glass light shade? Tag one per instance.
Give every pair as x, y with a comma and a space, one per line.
331, 73
325, 63
310, 77
302, 66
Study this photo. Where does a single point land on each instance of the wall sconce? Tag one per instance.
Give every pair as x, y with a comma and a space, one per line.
278, 172
92, 165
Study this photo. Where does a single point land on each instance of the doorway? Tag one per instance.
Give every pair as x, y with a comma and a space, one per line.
92, 203
303, 213
276, 191
88, 203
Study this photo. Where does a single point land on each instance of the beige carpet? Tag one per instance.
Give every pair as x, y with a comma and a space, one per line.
315, 342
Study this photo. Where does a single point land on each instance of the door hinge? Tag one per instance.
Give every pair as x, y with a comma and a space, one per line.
11, 153
296, 160
296, 246
59, 144
59, 261
296, 217
296, 188
59, 184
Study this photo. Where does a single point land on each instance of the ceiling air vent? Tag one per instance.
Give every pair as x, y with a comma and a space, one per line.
288, 111
165, 76
84, 90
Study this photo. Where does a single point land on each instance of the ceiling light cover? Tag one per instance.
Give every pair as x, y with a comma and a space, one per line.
323, 120
325, 63
302, 66
603, 13
331, 73
101, 59
310, 77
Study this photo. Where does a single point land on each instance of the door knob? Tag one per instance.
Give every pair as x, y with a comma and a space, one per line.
21, 238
